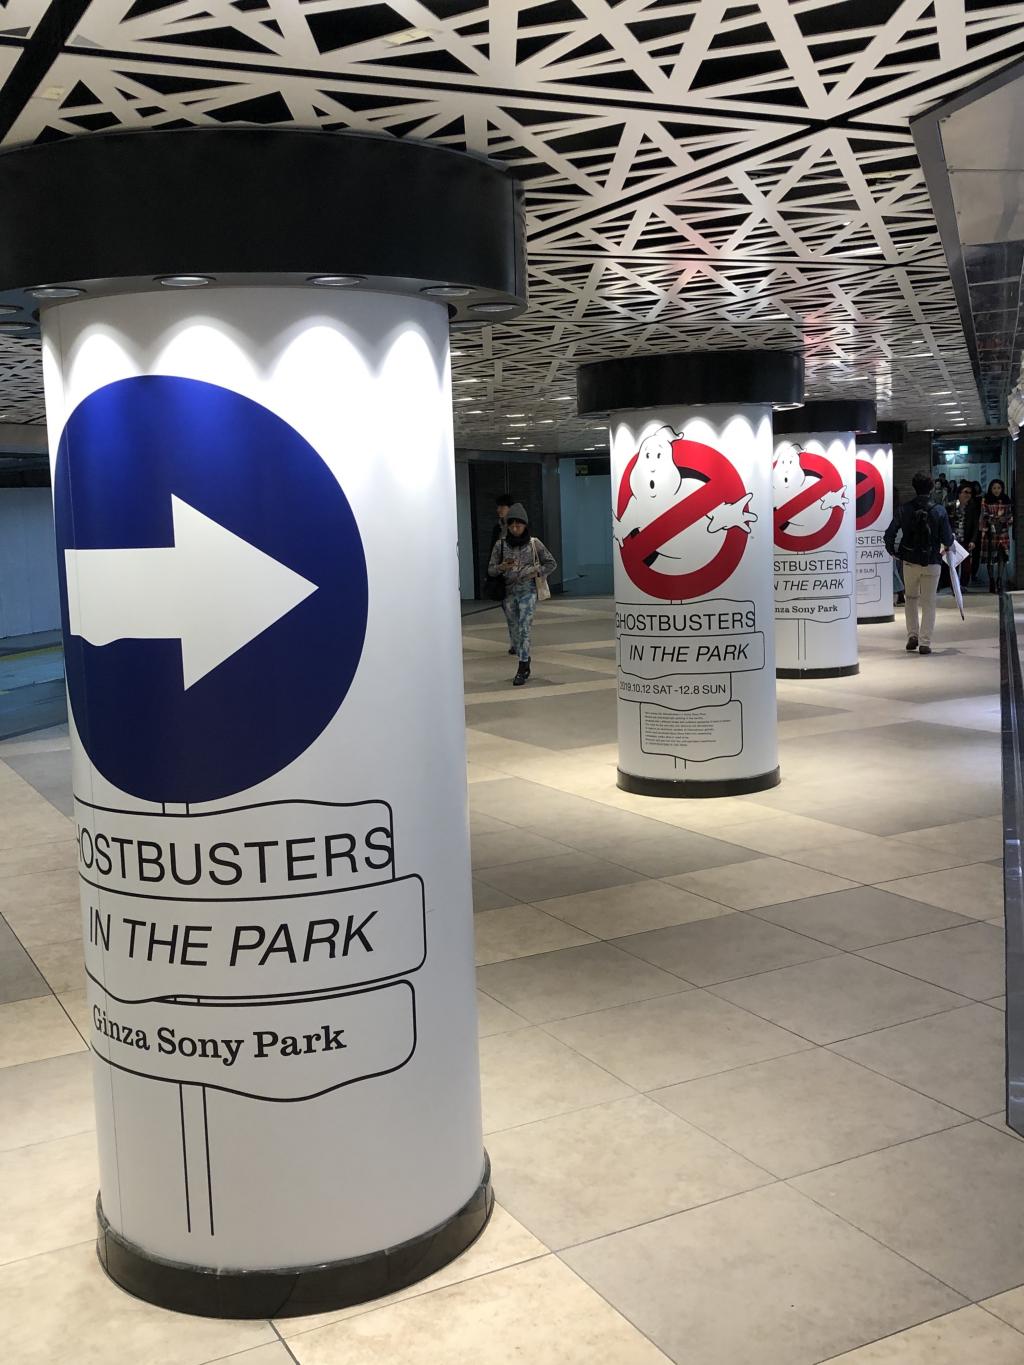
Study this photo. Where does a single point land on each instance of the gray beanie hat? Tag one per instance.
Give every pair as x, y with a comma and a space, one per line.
517, 512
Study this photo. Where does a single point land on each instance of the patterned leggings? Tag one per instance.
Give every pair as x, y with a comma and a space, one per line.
519, 609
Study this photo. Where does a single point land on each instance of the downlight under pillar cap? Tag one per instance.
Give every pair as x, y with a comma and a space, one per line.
256, 207
690, 377
827, 414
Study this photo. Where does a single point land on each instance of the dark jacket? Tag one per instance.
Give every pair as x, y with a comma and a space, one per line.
938, 518
972, 515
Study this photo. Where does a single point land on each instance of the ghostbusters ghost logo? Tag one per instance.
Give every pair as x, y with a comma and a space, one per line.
682, 518
810, 500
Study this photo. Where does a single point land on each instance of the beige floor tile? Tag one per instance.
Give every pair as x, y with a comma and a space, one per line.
504, 1242
528, 1075
48, 1192
35, 858
488, 898
998, 1002
62, 1310
721, 949
574, 981
761, 881
61, 964
38, 890
541, 879
595, 1171
998, 1122
975, 890
669, 852
41, 1101
970, 960
837, 997
76, 1006
512, 846
969, 1335
539, 1313
31, 1030
811, 1109
676, 1038
784, 832
31, 822
878, 858
860, 918
765, 1277
1008, 1306
53, 922
953, 1203
957, 1058
495, 1018
276, 1353
633, 909
521, 931
984, 838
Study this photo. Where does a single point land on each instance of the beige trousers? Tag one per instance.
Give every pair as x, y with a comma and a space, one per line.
920, 584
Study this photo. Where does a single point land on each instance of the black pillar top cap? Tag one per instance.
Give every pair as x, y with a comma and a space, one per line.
689, 377
258, 206
827, 414
884, 434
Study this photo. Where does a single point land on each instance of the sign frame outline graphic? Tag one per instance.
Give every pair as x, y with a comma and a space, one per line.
873, 475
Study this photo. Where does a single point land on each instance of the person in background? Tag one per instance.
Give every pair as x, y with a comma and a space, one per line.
996, 520
943, 490
964, 518
923, 528
502, 503
520, 559
897, 567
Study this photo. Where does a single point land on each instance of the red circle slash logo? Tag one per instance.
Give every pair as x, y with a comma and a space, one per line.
810, 500
682, 518
870, 494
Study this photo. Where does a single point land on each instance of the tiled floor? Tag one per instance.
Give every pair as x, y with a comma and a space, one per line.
742, 1059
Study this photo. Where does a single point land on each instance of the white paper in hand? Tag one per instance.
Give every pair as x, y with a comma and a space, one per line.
954, 556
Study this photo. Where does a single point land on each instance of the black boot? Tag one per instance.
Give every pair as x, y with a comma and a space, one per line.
524, 672
511, 649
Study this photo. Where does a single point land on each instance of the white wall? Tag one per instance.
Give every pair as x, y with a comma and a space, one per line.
28, 563
586, 531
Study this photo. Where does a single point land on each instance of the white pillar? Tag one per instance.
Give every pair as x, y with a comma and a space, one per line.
255, 506
691, 517
874, 513
813, 490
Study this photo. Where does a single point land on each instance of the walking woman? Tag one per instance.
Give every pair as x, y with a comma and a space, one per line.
523, 562
965, 516
996, 520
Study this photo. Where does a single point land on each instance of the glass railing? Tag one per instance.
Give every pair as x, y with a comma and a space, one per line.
1011, 633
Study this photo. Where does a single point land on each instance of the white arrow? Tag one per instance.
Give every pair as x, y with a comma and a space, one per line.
211, 590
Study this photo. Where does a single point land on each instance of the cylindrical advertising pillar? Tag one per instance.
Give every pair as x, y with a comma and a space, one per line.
874, 513
691, 457
254, 502
815, 569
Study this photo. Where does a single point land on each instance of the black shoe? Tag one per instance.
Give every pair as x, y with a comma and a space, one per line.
991, 586
511, 649
911, 644
901, 600
925, 649
524, 672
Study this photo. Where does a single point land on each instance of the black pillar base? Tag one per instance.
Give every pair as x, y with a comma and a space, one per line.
874, 620
293, 1292
845, 671
688, 789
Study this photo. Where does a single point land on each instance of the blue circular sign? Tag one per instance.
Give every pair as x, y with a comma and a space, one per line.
213, 588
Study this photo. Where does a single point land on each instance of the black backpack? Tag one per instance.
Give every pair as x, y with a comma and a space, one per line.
918, 542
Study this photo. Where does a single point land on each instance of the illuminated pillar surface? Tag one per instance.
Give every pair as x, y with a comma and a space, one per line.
874, 513
691, 464
255, 508
813, 492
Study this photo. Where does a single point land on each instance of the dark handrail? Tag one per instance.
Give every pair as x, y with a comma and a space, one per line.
1012, 690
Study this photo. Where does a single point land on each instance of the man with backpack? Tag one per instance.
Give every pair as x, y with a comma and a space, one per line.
917, 535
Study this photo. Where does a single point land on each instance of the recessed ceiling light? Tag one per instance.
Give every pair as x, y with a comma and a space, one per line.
563, 398
458, 352
408, 35
6, 309
14, 327
489, 308
184, 281
446, 291
335, 281
56, 291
